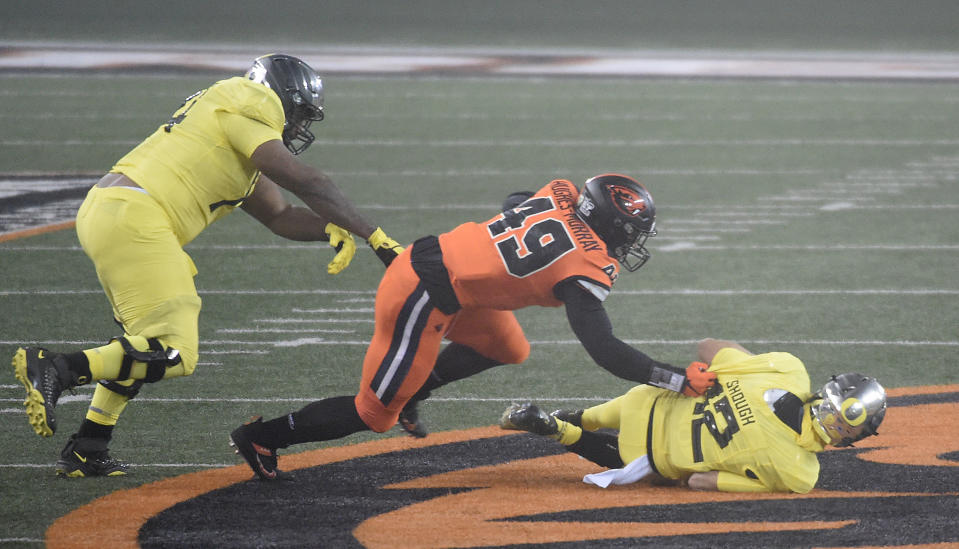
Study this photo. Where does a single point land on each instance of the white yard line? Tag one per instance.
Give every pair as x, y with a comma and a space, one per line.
541, 143
915, 247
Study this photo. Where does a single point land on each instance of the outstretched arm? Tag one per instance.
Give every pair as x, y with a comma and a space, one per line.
269, 206
311, 186
591, 324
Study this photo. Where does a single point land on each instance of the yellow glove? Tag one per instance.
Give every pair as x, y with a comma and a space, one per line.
341, 241
385, 247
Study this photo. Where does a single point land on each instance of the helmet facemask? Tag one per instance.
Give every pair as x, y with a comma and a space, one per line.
633, 253
296, 131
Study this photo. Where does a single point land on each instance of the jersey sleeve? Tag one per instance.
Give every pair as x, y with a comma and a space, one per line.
594, 288
732, 361
245, 134
731, 482
728, 355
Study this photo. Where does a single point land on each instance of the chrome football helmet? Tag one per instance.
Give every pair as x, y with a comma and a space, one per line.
851, 409
301, 93
621, 212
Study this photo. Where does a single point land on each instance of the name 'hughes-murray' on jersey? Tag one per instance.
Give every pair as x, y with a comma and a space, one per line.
526, 252
197, 165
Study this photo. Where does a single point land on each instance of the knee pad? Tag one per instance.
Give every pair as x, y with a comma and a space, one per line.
128, 391
157, 359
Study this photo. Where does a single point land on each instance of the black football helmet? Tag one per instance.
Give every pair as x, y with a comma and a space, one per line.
301, 93
621, 212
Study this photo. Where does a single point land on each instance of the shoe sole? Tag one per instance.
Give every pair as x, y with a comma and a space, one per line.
505, 420
62, 472
35, 403
250, 461
411, 429
255, 465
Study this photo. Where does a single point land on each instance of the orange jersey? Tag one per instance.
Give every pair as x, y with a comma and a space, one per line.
517, 258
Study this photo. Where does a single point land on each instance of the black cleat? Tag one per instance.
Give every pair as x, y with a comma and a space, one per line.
528, 417
409, 421
574, 417
261, 459
88, 457
42, 374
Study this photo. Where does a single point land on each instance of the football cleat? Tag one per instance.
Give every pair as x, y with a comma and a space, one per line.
87, 457
409, 421
574, 417
528, 417
42, 374
261, 459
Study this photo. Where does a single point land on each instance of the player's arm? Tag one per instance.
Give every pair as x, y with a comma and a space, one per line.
269, 206
724, 481
310, 185
592, 327
322, 196
708, 348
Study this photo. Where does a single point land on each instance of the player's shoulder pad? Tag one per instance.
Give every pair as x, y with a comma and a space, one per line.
252, 100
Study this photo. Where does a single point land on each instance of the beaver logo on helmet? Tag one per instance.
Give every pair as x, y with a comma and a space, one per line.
627, 200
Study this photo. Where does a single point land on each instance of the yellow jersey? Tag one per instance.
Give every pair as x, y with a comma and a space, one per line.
734, 428
197, 166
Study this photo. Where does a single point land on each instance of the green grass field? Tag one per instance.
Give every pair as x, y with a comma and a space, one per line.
816, 218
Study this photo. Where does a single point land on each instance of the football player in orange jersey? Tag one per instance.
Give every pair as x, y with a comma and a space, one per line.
560, 246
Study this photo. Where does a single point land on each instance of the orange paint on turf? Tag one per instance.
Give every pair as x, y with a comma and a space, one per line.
115, 520
549, 484
6, 237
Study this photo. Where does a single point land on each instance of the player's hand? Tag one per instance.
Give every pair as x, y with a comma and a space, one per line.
385, 247
341, 241
698, 379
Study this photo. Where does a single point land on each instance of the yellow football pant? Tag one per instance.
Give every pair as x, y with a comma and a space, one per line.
148, 279
629, 414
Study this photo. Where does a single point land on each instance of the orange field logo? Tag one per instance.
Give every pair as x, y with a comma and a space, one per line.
484, 487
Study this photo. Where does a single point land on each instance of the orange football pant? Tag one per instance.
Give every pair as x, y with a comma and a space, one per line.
407, 336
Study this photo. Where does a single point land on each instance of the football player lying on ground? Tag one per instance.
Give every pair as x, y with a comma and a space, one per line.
560, 246
757, 430
232, 144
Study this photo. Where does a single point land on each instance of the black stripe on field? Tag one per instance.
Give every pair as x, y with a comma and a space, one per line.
322, 506
33, 199
878, 521
915, 400
325, 503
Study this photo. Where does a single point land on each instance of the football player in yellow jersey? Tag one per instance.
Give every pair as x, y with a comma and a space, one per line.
230, 145
757, 430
